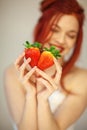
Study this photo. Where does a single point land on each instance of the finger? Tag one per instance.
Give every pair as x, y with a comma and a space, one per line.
45, 76
29, 74
58, 70
27, 61
30, 87
23, 68
19, 61
40, 87
46, 84
58, 66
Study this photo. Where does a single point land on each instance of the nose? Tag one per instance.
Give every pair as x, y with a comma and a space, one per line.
61, 39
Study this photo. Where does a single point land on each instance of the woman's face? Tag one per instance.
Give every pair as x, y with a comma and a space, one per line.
65, 33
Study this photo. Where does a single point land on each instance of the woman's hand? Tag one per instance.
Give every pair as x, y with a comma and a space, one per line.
58, 72
25, 75
46, 85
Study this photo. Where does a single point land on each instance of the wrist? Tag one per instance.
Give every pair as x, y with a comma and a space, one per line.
30, 96
41, 100
43, 105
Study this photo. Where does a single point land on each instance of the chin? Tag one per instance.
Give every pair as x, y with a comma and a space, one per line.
64, 53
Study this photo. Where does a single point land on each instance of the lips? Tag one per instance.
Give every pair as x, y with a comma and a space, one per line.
60, 48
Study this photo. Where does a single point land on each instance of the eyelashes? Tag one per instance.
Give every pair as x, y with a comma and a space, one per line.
54, 30
72, 36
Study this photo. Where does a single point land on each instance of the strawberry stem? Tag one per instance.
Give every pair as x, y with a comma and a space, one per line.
37, 44
54, 51
27, 44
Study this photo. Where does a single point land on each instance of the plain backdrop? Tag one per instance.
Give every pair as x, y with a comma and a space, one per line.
17, 21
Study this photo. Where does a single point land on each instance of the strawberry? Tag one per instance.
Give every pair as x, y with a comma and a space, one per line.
32, 51
46, 58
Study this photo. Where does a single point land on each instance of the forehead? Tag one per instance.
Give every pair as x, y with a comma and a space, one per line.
68, 22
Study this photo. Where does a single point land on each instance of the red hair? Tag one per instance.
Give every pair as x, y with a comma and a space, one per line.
52, 10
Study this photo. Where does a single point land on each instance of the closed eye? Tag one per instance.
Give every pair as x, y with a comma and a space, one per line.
72, 36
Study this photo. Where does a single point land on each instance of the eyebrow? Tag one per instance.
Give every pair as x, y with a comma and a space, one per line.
71, 31
55, 25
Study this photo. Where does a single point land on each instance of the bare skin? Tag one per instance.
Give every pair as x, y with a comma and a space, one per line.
27, 91
76, 100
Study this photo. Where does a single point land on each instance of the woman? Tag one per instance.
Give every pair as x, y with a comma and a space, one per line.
55, 98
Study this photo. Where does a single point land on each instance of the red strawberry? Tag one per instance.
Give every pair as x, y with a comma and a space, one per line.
32, 51
46, 58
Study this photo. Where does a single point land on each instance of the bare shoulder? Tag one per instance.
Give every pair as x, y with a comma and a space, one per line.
11, 78
14, 92
10, 73
10, 70
80, 74
76, 81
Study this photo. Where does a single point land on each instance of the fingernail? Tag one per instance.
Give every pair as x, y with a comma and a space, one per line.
29, 59
35, 67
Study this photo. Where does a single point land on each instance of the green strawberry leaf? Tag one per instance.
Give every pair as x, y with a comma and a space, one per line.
53, 50
27, 44
37, 44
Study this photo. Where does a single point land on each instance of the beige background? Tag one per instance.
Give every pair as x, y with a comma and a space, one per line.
17, 20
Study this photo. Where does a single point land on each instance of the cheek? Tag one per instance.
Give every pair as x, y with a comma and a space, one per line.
46, 45
71, 43
69, 46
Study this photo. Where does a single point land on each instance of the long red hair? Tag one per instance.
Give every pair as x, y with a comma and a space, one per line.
52, 10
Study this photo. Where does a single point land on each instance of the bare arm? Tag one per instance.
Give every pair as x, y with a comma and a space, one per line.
70, 110
15, 95
22, 108
73, 106
46, 120
27, 105
29, 118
